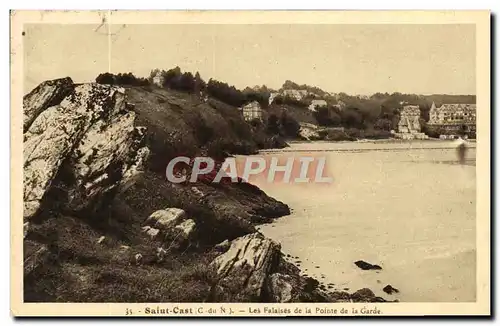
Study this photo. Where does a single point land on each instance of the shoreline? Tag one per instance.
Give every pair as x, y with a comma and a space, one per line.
289, 231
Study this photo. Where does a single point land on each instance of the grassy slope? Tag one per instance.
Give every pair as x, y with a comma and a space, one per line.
81, 269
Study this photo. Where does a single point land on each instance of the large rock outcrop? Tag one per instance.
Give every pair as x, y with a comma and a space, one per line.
81, 139
244, 268
47, 94
251, 268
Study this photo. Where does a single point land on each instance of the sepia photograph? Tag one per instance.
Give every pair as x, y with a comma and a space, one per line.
250, 163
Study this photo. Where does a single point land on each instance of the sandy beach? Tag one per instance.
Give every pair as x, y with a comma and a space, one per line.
406, 206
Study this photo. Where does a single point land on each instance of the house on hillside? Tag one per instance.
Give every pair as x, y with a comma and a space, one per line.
452, 114
316, 103
251, 111
409, 119
297, 94
272, 96
158, 78
409, 123
453, 119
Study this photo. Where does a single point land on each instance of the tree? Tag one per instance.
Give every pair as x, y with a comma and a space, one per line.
199, 83
185, 82
290, 126
273, 126
105, 78
383, 124
351, 118
225, 93
327, 116
171, 76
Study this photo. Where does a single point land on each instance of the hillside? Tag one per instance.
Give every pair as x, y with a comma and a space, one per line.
101, 223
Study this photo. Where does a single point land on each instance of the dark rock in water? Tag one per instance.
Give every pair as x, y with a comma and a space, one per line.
363, 295
311, 284
379, 299
346, 289
390, 290
298, 261
366, 266
317, 266
366, 295
288, 255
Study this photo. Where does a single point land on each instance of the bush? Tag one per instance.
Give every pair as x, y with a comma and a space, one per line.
383, 124
226, 93
327, 116
377, 134
121, 79
333, 135
351, 118
290, 126
273, 127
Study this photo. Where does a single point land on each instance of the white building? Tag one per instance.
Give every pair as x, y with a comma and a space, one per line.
251, 111
317, 103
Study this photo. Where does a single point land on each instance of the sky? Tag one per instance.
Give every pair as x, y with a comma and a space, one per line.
355, 59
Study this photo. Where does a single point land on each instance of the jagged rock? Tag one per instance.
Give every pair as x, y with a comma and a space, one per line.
366, 266
102, 152
26, 227
35, 255
131, 172
160, 254
101, 239
365, 295
138, 259
390, 290
186, 228
280, 288
45, 95
151, 232
182, 234
89, 135
310, 284
223, 246
197, 191
244, 268
166, 218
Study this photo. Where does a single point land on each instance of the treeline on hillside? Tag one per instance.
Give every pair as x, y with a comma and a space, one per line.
187, 82
121, 79
377, 114
282, 125
288, 84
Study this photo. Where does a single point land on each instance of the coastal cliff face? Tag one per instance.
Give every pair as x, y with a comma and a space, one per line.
101, 223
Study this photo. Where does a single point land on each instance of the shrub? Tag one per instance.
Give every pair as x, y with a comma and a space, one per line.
290, 126
327, 116
121, 79
273, 127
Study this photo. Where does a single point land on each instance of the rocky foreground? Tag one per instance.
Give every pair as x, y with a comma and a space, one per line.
101, 223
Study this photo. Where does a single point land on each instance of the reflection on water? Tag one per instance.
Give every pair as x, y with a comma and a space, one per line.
408, 207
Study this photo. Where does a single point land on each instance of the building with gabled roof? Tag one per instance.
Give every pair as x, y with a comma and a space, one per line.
251, 111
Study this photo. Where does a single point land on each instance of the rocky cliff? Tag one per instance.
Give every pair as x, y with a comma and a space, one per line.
101, 223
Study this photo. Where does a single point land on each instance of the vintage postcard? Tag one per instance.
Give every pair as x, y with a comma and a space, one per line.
250, 163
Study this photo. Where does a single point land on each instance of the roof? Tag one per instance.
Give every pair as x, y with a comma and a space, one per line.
454, 107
